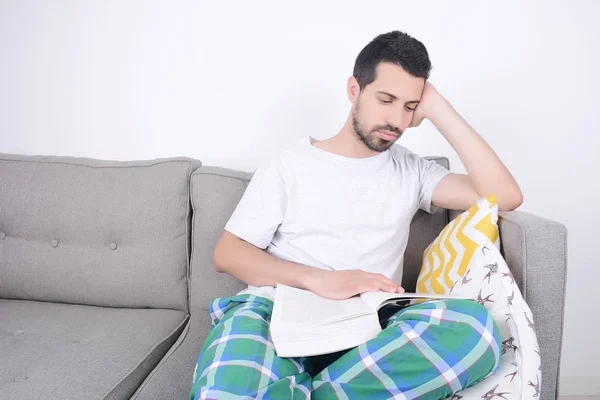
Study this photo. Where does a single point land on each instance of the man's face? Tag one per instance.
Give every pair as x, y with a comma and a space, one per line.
386, 106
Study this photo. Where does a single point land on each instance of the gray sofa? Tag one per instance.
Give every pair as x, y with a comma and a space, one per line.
106, 273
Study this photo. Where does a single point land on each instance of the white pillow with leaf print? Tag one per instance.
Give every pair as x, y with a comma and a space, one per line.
519, 374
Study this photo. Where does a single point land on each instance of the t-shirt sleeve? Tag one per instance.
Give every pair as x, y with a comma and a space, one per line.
262, 206
430, 174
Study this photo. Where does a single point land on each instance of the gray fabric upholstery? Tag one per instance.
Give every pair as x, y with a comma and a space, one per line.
144, 208
85, 231
535, 248
172, 377
215, 194
67, 351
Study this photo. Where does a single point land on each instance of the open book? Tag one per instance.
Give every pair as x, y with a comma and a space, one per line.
306, 324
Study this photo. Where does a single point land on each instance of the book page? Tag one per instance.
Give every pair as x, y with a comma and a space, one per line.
298, 306
328, 338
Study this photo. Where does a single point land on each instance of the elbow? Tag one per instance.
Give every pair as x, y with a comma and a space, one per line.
224, 256
217, 264
218, 257
512, 202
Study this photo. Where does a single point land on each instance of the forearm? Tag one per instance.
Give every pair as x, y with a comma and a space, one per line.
485, 169
256, 267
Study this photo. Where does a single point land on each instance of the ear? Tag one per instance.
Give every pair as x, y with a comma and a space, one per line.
353, 89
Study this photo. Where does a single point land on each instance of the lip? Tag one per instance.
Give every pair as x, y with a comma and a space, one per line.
387, 135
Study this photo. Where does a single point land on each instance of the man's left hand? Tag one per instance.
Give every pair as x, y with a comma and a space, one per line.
429, 98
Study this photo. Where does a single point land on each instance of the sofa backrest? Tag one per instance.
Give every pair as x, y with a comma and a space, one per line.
215, 194
95, 232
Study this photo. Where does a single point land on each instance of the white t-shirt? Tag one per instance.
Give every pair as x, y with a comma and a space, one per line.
317, 208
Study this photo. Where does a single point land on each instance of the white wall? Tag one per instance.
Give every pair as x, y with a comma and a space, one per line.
230, 82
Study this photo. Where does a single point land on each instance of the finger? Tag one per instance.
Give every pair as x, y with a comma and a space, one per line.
384, 286
369, 288
385, 278
389, 284
373, 285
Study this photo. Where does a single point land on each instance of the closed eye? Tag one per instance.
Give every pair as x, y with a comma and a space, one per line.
389, 101
407, 108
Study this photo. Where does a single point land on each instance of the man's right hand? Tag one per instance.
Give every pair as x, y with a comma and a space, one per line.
339, 285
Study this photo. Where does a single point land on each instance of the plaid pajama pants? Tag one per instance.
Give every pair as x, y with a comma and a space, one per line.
428, 350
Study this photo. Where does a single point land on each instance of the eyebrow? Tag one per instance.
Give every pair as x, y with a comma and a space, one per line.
396, 98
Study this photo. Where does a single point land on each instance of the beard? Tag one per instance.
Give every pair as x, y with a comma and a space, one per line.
369, 137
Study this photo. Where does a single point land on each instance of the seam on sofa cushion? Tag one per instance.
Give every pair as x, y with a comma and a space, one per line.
79, 164
199, 172
164, 359
188, 234
110, 391
191, 239
187, 328
562, 312
523, 249
224, 176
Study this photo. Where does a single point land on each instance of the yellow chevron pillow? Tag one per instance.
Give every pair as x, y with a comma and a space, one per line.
447, 258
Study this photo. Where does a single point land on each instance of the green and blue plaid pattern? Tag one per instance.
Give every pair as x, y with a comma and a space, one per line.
429, 350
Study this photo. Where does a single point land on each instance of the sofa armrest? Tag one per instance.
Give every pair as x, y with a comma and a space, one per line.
535, 249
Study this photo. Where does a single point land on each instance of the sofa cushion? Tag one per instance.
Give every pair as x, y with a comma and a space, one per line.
104, 233
215, 193
449, 256
172, 377
66, 351
490, 280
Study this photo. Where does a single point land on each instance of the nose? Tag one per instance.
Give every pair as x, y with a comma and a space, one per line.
399, 119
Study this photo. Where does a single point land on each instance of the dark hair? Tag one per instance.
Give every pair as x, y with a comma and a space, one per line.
394, 47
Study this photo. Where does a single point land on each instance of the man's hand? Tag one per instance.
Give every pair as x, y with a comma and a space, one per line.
429, 98
339, 285
486, 174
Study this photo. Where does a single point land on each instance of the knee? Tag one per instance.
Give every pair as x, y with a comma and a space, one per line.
483, 327
470, 311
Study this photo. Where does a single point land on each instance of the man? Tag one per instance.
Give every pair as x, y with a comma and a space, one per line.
333, 217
